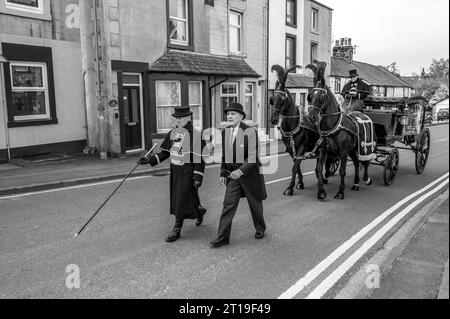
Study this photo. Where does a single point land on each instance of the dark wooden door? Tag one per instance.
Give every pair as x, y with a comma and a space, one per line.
132, 117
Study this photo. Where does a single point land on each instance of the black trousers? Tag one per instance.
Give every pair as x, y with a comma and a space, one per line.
230, 206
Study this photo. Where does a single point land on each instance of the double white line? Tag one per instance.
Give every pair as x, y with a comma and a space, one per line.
341, 270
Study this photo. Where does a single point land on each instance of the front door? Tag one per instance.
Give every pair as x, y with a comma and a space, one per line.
132, 117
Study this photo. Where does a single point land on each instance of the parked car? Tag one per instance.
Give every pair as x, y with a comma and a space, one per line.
442, 115
428, 118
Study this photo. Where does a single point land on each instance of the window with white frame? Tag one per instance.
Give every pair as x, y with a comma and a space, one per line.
337, 85
178, 22
196, 103
314, 52
229, 93
168, 97
235, 32
29, 88
291, 46
315, 19
249, 100
291, 13
31, 6
303, 101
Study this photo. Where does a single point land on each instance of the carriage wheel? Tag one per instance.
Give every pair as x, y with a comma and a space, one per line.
391, 167
334, 167
423, 151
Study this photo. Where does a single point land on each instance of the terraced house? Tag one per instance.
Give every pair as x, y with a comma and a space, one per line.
41, 88
161, 54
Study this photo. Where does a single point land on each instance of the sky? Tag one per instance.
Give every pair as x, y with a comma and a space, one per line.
409, 32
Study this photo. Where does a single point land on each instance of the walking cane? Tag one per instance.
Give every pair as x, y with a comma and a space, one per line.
103, 205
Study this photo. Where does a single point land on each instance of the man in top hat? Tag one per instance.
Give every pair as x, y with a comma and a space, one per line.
240, 173
184, 147
355, 92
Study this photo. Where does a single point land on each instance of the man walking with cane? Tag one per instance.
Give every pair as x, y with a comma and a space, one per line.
186, 170
240, 173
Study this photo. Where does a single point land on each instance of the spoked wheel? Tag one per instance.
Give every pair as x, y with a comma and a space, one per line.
391, 167
334, 166
423, 151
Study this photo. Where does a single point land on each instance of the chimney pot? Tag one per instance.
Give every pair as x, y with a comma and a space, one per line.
350, 41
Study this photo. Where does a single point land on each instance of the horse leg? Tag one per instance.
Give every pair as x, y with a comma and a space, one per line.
356, 163
366, 177
300, 185
290, 190
343, 172
327, 170
322, 194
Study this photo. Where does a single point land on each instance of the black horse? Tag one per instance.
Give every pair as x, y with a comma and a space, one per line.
338, 133
299, 134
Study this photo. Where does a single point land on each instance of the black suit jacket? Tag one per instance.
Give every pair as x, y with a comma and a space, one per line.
243, 155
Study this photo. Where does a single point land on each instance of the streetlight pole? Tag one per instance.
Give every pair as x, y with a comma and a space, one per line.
3, 102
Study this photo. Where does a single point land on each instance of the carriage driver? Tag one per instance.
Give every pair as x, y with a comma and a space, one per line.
186, 171
355, 92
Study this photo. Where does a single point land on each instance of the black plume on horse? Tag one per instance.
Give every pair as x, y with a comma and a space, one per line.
338, 133
299, 134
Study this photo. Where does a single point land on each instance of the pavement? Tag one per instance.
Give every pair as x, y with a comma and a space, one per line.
412, 264
58, 170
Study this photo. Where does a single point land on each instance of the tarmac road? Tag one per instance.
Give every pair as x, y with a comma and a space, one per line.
123, 254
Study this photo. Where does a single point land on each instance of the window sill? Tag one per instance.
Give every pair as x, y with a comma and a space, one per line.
180, 47
316, 32
238, 55
32, 123
32, 15
291, 25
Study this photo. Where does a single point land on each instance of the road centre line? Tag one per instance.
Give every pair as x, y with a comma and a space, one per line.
334, 277
327, 262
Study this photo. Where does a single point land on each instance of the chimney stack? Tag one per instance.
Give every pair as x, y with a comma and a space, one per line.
344, 49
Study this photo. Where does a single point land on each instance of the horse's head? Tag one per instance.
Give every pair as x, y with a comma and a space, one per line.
279, 103
318, 97
281, 99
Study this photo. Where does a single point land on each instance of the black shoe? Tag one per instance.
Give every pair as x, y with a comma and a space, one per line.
200, 214
219, 242
259, 235
174, 235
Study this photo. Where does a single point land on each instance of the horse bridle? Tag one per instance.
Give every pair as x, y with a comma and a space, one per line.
322, 115
299, 117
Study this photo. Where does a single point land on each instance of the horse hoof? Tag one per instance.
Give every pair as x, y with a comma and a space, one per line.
339, 196
369, 182
300, 186
289, 192
322, 196
355, 188
325, 181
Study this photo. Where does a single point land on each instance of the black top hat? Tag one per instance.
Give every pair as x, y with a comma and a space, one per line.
183, 111
236, 107
353, 73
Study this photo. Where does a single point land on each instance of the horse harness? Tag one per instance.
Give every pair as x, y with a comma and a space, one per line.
292, 134
325, 134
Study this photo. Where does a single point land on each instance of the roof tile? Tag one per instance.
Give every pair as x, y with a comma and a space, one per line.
205, 64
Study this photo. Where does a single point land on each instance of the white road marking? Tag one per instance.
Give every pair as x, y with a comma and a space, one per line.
333, 278
327, 262
437, 154
443, 140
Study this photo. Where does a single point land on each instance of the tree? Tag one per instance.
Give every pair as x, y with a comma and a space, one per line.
393, 69
435, 84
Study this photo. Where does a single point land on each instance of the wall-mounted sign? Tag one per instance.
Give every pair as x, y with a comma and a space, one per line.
113, 103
